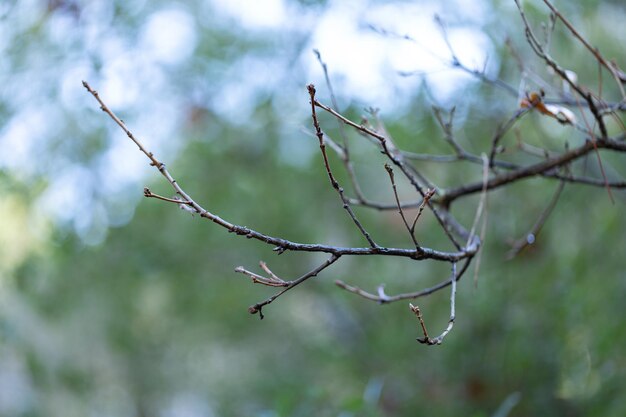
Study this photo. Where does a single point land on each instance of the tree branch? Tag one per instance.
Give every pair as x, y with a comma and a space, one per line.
446, 196
258, 307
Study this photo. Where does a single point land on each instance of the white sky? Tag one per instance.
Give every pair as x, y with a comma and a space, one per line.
367, 61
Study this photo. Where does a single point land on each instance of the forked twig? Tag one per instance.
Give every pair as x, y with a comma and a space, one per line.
258, 307
271, 280
427, 340
427, 196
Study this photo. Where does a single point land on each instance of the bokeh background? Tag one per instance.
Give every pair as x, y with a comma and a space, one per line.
114, 305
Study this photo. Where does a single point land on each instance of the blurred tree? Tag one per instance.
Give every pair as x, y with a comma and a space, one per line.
107, 316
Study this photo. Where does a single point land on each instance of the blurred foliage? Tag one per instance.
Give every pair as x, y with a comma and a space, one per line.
115, 306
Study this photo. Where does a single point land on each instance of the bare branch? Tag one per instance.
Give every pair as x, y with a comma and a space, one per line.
331, 177
497, 170
281, 244
258, 307
333, 100
531, 170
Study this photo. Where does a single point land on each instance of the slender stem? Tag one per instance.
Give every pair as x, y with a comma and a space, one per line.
409, 229
331, 177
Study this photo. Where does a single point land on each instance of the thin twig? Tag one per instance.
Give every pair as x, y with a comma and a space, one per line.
384, 206
345, 149
393, 153
447, 128
532, 150
269, 272
418, 313
482, 208
272, 280
429, 194
359, 199
333, 100
150, 194
502, 130
431, 158
400, 211
620, 76
258, 279
331, 177
258, 307
531, 237
456, 63
593, 140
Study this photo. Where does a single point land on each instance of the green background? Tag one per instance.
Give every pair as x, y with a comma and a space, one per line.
123, 306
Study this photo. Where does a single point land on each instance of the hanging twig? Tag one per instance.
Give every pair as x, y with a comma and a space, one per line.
403, 296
